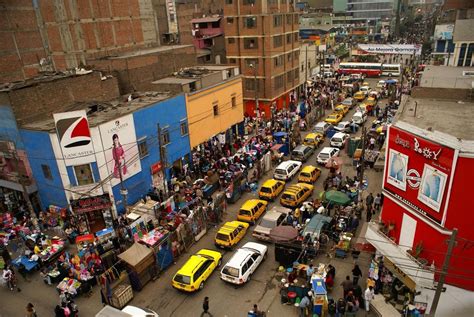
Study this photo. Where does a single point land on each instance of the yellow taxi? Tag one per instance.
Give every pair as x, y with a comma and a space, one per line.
334, 118
359, 96
197, 269
371, 101
365, 83
295, 195
251, 210
313, 139
230, 234
341, 109
309, 174
271, 189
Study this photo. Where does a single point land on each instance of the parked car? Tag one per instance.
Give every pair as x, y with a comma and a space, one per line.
271, 189
343, 126
334, 118
230, 234
302, 153
272, 218
197, 269
286, 170
295, 195
339, 139
326, 153
243, 263
322, 127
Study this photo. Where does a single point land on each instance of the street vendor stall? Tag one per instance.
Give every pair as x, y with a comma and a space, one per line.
320, 296
344, 245
140, 263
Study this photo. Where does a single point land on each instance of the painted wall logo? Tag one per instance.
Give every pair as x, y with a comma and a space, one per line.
73, 134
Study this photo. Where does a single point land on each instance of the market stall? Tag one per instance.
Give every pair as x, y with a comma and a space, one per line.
344, 245
140, 263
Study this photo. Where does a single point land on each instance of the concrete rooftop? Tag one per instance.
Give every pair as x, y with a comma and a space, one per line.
105, 111
446, 116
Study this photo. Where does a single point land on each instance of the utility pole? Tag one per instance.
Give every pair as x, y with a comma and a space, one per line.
397, 19
164, 163
306, 71
362, 157
26, 196
444, 272
123, 190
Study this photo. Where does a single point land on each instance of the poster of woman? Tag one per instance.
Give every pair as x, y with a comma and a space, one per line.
397, 169
432, 187
120, 166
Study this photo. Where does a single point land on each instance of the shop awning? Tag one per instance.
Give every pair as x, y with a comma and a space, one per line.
403, 266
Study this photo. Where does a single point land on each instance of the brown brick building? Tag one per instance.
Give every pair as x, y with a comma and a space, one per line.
264, 33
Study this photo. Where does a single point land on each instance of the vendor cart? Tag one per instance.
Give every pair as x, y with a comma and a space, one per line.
344, 245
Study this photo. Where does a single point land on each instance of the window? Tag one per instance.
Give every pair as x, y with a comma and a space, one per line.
278, 60
172, 17
231, 40
289, 57
251, 62
296, 37
249, 84
462, 53
165, 134
230, 20
184, 128
142, 148
297, 74
302, 66
46, 171
272, 2
228, 1
250, 22
279, 81
289, 19
215, 109
83, 174
277, 20
278, 41
249, 2
233, 101
470, 51
250, 43
288, 39
289, 76
232, 60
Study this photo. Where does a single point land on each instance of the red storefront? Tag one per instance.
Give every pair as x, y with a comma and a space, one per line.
428, 181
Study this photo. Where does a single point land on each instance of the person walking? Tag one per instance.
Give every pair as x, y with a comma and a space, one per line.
347, 286
205, 307
369, 200
30, 311
368, 297
377, 204
356, 274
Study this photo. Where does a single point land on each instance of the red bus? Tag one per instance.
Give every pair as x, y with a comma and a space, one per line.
368, 69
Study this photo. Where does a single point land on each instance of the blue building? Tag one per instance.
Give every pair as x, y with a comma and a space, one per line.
79, 157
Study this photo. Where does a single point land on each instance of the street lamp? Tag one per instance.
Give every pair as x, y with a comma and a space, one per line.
254, 66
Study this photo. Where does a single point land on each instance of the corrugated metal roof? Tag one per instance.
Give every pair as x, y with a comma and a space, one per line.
206, 19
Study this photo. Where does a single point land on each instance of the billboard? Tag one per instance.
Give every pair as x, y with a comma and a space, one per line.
120, 148
88, 204
401, 49
74, 135
417, 172
444, 32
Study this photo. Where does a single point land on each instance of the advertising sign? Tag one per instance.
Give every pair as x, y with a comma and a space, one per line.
444, 32
120, 147
401, 49
73, 134
417, 172
91, 203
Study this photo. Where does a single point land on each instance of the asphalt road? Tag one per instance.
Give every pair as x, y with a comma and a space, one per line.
225, 299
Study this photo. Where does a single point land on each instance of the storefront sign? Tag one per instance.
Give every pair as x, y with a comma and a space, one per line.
91, 203
422, 165
73, 134
401, 49
402, 276
156, 168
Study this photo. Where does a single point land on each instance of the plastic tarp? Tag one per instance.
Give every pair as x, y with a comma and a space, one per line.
135, 254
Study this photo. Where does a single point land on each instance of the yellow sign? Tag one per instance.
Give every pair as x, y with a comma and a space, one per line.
402, 276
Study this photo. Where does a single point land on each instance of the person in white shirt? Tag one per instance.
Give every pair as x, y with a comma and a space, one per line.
368, 297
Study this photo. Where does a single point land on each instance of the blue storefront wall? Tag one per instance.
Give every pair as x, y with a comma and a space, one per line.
170, 114
40, 152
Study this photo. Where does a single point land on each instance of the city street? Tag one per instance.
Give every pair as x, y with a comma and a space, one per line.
225, 299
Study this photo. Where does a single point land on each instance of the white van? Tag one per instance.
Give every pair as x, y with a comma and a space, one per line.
243, 263
286, 170
326, 153
339, 139
359, 118
322, 127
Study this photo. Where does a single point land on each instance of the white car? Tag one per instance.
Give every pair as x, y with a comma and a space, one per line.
365, 89
286, 170
272, 218
243, 263
374, 93
322, 127
339, 139
350, 102
326, 153
359, 117
343, 126
381, 84
139, 312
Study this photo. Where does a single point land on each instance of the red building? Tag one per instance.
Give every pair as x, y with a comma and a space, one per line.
429, 167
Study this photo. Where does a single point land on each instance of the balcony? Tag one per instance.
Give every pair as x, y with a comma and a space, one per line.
406, 266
